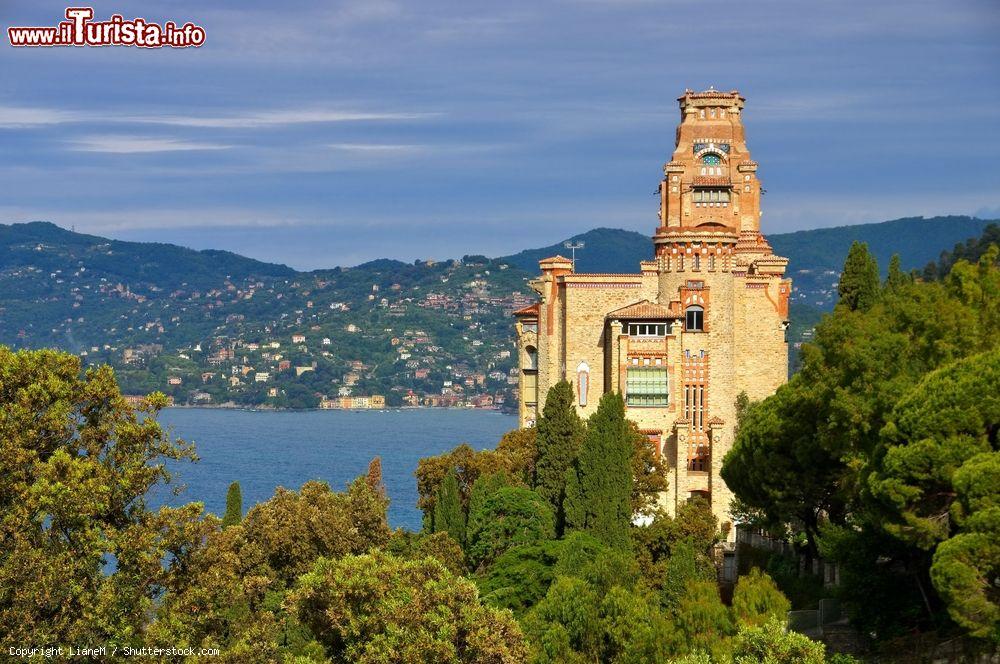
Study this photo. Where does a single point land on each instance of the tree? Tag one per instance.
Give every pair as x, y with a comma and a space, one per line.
649, 473
417, 546
76, 465
559, 432
510, 517
896, 278
484, 487
756, 599
374, 476
448, 514
703, 619
937, 480
600, 483
376, 608
292, 529
684, 567
859, 281
860, 450
234, 506
769, 643
521, 576
567, 622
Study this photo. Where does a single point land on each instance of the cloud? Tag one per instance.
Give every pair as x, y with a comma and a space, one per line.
140, 144
274, 118
14, 117
376, 148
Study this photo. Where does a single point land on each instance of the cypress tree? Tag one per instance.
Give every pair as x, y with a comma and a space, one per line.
484, 487
859, 282
448, 515
374, 477
559, 434
896, 278
600, 483
234, 506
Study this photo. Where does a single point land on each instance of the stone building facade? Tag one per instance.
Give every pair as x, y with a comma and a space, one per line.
702, 321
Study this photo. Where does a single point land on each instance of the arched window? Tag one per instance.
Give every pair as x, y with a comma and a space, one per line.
711, 159
531, 354
694, 319
582, 382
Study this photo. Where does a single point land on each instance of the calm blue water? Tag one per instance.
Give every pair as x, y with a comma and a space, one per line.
265, 450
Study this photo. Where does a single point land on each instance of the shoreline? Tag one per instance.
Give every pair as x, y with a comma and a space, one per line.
271, 409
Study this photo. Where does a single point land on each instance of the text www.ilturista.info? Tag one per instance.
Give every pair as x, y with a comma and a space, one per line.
81, 30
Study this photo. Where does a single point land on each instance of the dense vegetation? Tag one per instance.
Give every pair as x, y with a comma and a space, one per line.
882, 453
316, 575
591, 585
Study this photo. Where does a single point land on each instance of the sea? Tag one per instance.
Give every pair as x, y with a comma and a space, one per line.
264, 450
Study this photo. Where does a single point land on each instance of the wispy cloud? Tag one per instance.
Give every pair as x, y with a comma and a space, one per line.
139, 144
377, 148
14, 117
273, 118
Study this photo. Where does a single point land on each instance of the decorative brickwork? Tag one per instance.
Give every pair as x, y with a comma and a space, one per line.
632, 333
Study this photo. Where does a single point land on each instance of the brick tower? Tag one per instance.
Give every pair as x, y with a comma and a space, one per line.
700, 323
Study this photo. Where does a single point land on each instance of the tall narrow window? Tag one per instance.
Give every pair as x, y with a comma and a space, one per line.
697, 262
694, 319
582, 382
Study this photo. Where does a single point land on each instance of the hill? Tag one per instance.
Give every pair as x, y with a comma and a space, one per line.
212, 327
50, 248
610, 250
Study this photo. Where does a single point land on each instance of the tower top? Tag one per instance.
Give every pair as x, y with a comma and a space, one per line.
710, 185
692, 102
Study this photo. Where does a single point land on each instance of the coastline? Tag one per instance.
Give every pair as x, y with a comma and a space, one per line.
272, 409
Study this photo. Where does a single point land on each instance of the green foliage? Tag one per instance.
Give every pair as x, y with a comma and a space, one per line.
971, 251
864, 452
76, 463
599, 484
509, 517
769, 643
572, 608
559, 435
859, 281
703, 619
376, 608
515, 455
234, 506
521, 576
482, 489
684, 568
756, 600
448, 514
950, 417
896, 278
649, 473
293, 529
439, 546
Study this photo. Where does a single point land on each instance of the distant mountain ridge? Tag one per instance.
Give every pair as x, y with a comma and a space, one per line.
168, 265
917, 240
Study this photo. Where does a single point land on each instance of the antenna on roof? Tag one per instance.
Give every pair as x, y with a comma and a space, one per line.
573, 246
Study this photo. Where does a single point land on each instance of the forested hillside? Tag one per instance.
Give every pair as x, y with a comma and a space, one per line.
213, 327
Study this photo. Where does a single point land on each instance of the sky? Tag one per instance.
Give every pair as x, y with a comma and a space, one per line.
329, 133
